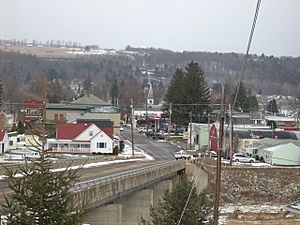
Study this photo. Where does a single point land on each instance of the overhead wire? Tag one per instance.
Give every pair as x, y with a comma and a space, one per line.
237, 91
247, 51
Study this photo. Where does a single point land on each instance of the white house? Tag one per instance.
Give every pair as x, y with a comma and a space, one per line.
13, 140
80, 139
4, 142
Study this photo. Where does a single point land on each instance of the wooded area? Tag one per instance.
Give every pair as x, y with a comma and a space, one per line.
22, 75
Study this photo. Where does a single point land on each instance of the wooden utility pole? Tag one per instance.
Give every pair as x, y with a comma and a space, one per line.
132, 144
170, 121
230, 135
146, 116
208, 128
218, 172
191, 114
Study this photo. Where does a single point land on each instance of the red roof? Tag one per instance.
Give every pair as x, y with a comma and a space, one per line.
108, 130
70, 131
33, 102
2, 133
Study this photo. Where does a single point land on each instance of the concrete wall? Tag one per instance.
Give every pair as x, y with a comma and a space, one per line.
129, 209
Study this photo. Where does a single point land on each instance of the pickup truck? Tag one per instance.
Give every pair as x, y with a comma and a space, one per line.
182, 155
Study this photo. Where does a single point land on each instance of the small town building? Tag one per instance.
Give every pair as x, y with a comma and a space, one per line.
90, 99
33, 110
283, 155
199, 136
13, 140
4, 142
80, 139
282, 121
69, 113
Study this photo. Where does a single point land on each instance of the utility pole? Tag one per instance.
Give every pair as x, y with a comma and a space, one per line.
1, 97
208, 125
146, 116
132, 144
191, 114
230, 134
170, 121
218, 172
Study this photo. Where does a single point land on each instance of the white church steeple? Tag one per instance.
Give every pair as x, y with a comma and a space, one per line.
150, 97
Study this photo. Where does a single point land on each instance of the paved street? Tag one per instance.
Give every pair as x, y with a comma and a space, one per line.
157, 149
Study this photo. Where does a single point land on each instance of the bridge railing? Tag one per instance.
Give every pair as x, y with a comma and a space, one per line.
81, 186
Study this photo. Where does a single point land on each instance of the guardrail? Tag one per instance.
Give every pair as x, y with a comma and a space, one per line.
81, 186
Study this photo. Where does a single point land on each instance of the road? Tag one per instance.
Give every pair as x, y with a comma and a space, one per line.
157, 149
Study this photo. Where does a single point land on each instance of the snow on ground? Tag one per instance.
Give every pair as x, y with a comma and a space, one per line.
126, 156
127, 152
230, 208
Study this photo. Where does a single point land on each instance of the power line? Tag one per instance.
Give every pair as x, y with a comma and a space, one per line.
247, 51
242, 75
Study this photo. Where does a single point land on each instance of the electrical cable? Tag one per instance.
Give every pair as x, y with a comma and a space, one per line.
237, 91
247, 51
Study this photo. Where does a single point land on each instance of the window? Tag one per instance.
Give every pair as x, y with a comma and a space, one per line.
91, 133
56, 117
11, 143
101, 145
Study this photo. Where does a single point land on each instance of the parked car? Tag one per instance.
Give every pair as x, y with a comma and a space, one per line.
144, 130
238, 157
158, 137
182, 155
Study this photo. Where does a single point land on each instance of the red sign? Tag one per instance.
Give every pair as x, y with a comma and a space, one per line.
213, 138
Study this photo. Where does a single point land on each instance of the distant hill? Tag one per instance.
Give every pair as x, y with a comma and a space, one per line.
132, 66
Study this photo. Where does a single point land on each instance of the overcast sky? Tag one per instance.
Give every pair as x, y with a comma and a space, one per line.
193, 25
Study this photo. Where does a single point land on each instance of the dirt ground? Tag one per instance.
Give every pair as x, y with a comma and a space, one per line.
262, 219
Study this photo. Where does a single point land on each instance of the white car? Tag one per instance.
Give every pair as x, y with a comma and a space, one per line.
238, 157
182, 155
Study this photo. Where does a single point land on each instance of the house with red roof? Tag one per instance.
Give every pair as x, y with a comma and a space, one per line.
4, 142
76, 138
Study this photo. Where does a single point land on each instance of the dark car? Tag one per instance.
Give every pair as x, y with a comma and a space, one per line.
158, 137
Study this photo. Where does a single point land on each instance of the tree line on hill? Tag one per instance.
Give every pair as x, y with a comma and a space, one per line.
22, 74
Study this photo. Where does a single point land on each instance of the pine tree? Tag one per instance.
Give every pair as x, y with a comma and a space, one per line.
21, 127
272, 106
39, 196
114, 93
242, 101
14, 128
253, 103
189, 88
168, 211
1, 96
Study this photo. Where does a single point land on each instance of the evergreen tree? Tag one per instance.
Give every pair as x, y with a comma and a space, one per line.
114, 92
242, 101
14, 128
87, 84
272, 106
253, 104
40, 196
168, 211
21, 127
1, 95
188, 87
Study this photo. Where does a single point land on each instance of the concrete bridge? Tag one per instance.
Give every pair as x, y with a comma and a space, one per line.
98, 192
